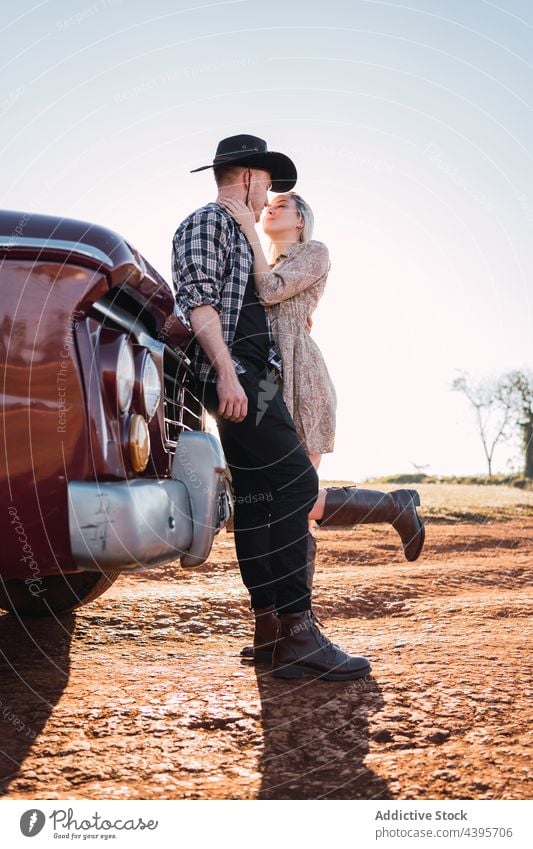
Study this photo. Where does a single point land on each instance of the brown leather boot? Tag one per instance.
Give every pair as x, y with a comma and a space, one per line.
263, 654
266, 630
348, 505
301, 649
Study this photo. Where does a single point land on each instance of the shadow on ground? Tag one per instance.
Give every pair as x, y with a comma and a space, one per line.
34, 671
316, 739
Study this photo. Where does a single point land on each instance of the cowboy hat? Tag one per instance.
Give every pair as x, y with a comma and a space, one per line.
252, 151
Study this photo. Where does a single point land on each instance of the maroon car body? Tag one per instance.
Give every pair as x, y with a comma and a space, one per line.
81, 476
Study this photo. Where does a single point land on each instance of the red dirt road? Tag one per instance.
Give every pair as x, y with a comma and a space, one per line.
142, 695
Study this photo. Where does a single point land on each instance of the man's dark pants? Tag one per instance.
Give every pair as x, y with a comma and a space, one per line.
275, 486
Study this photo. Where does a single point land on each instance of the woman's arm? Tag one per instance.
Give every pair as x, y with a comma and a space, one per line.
293, 275
245, 218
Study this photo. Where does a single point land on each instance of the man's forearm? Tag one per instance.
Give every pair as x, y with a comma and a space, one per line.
205, 322
233, 403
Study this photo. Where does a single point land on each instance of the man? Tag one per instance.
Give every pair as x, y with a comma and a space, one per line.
237, 367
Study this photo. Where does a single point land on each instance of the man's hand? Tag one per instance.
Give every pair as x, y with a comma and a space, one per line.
233, 403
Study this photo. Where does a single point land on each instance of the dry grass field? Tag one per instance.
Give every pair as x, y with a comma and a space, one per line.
464, 502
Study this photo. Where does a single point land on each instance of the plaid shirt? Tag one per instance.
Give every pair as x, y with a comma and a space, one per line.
211, 264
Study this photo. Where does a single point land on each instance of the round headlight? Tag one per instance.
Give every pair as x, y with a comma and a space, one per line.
139, 443
125, 376
150, 387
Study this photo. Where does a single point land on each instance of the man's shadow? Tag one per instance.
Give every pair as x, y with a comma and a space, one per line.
316, 738
34, 671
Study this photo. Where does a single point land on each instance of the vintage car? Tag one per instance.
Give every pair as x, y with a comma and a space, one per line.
106, 466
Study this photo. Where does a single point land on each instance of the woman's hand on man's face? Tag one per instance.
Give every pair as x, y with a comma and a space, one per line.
243, 215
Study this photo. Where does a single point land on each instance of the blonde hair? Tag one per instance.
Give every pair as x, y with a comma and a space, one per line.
306, 214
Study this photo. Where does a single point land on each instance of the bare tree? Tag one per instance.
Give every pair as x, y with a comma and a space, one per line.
493, 403
519, 385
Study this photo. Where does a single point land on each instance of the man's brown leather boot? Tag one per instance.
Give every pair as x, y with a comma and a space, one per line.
263, 654
301, 649
349, 505
266, 630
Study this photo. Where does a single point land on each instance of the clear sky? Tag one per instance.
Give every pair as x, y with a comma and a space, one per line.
410, 124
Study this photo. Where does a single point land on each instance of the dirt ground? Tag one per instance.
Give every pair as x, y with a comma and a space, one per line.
142, 695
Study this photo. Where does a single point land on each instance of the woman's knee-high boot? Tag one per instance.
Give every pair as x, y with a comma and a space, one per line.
349, 505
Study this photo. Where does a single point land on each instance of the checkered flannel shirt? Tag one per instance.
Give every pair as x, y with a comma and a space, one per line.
211, 263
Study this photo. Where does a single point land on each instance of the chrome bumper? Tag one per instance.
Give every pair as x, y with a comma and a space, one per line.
200, 466
124, 526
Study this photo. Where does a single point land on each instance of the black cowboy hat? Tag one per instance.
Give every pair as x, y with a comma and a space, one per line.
252, 151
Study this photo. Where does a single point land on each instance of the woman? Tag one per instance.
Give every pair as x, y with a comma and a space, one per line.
291, 288
291, 292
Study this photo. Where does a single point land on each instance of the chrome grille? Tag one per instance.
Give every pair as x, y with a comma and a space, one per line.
182, 409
